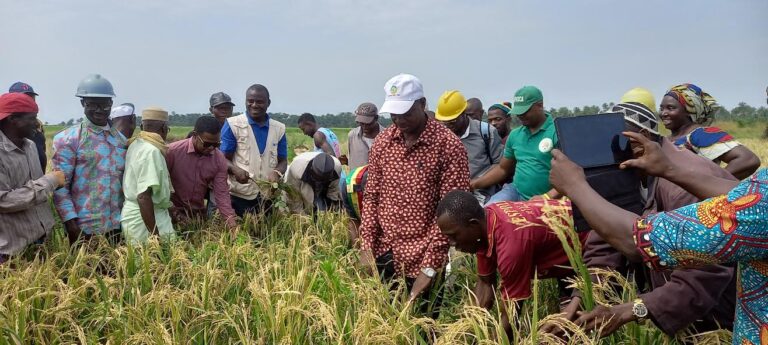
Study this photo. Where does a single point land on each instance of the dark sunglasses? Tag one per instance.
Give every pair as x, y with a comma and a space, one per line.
207, 144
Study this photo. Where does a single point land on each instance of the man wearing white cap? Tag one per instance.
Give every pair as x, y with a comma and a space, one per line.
124, 119
412, 165
147, 184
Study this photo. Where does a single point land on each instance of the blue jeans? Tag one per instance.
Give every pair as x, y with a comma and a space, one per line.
507, 193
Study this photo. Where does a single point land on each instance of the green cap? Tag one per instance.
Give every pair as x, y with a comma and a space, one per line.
525, 98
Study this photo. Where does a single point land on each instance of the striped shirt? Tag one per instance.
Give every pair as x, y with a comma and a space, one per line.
25, 214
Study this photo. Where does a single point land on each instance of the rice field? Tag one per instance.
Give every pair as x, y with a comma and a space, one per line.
283, 279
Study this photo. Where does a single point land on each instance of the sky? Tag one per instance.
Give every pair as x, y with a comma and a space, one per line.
327, 56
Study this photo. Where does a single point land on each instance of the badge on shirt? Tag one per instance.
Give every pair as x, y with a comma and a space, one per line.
545, 145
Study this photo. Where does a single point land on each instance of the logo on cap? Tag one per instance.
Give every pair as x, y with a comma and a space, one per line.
519, 99
393, 90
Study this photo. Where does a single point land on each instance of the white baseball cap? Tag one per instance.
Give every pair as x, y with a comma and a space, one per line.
122, 110
400, 93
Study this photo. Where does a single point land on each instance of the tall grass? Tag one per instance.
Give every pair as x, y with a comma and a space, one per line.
281, 280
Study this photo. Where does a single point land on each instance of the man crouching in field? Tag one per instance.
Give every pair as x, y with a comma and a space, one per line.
510, 238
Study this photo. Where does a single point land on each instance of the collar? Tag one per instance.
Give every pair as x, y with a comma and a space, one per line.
191, 145
253, 123
466, 132
95, 127
491, 220
424, 137
7, 144
548, 122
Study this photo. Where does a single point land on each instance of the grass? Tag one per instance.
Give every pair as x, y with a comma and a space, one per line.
284, 279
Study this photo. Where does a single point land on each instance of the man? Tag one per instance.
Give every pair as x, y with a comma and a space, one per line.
475, 109
728, 227
352, 188
526, 158
703, 298
124, 119
147, 185
324, 138
25, 216
38, 135
498, 117
509, 237
481, 141
315, 177
257, 149
92, 156
411, 166
221, 107
197, 167
360, 138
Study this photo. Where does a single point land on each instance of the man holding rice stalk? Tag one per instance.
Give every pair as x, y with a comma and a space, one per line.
702, 298
257, 149
411, 166
511, 238
729, 226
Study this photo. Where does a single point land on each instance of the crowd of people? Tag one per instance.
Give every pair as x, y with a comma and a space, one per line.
456, 177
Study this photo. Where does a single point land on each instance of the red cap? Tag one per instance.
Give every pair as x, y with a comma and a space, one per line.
16, 103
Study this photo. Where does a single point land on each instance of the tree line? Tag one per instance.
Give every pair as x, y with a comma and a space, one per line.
741, 113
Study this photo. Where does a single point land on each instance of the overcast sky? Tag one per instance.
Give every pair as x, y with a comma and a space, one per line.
325, 56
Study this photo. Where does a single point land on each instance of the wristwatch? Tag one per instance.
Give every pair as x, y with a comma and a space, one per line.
429, 272
639, 309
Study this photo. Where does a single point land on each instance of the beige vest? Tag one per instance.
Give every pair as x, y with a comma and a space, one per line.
247, 155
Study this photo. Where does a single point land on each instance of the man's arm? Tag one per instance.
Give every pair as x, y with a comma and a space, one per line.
147, 210
499, 174
319, 139
370, 228
32, 193
221, 193
455, 176
742, 162
687, 296
64, 159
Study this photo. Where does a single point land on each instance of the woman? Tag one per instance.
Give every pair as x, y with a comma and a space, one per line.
686, 110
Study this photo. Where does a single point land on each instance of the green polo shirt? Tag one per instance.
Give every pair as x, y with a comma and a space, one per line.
532, 153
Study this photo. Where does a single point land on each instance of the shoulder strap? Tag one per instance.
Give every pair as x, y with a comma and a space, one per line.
485, 130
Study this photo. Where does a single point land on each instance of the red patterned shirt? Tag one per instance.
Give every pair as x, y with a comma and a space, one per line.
402, 191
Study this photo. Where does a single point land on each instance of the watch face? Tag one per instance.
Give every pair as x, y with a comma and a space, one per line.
429, 272
640, 310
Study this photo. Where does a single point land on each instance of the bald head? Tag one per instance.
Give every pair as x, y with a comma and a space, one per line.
475, 109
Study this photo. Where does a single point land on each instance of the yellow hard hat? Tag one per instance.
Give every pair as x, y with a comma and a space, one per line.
642, 96
450, 105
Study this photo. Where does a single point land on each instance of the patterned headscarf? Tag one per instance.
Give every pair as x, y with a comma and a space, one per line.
506, 107
699, 104
639, 115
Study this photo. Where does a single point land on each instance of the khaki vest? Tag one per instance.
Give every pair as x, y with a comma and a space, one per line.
248, 158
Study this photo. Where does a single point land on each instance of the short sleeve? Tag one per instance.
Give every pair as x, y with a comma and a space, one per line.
228, 140
282, 147
509, 150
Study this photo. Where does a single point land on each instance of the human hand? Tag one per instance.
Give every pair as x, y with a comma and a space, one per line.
484, 294
421, 284
61, 179
367, 262
73, 230
241, 176
606, 320
344, 160
653, 159
570, 313
565, 173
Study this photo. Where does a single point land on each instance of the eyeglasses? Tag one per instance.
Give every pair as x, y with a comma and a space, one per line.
207, 144
98, 106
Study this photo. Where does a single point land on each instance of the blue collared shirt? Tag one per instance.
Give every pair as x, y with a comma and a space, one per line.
229, 142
